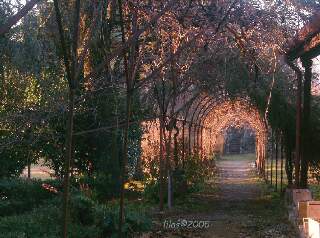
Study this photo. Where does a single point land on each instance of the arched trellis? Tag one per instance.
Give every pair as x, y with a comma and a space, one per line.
199, 106
200, 128
237, 111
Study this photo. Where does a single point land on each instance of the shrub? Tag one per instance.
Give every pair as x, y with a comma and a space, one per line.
89, 219
43, 222
20, 195
185, 180
103, 185
136, 220
151, 190
82, 209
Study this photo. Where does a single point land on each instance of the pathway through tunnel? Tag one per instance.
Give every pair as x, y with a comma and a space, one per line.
244, 207
240, 206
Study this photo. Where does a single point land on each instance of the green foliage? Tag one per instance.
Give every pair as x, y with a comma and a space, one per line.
13, 162
185, 180
43, 222
82, 209
151, 190
136, 220
197, 170
103, 185
28, 210
20, 195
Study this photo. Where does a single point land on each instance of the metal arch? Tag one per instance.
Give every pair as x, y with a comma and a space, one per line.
244, 99
199, 122
191, 122
198, 125
183, 128
198, 128
261, 158
211, 106
197, 98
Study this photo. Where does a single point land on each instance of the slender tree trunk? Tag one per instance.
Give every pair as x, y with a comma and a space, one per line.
298, 133
183, 143
124, 164
277, 152
29, 166
168, 168
189, 141
66, 183
70, 66
281, 158
307, 64
272, 150
298, 122
161, 167
289, 166
130, 77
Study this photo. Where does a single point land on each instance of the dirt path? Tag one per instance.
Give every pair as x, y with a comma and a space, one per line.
241, 207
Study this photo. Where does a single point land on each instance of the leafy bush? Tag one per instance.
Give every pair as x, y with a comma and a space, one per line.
136, 220
29, 210
151, 191
191, 178
103, 186
12, 160
88, 220
197, 170
44, 221
82, 209
20, 195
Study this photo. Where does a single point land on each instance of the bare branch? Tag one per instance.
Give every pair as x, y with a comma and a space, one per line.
17, 17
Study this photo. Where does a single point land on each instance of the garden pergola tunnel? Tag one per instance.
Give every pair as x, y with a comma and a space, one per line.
199, 125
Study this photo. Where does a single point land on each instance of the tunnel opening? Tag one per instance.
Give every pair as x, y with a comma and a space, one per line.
239, 140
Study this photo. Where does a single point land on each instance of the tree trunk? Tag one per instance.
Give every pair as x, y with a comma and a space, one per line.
29, 166
277, 152
307, 64
161, 167
298, 133
124, 164
130, 76
66, 183
168, 168
298, 122
70, 67
288, 166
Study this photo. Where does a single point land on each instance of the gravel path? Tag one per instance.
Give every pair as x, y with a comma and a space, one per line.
241, 207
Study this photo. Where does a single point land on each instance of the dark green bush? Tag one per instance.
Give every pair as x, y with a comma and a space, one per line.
43, 222
136, 220
151, 191
185, 180
28, 210
82, 209
104, 186
20, 195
